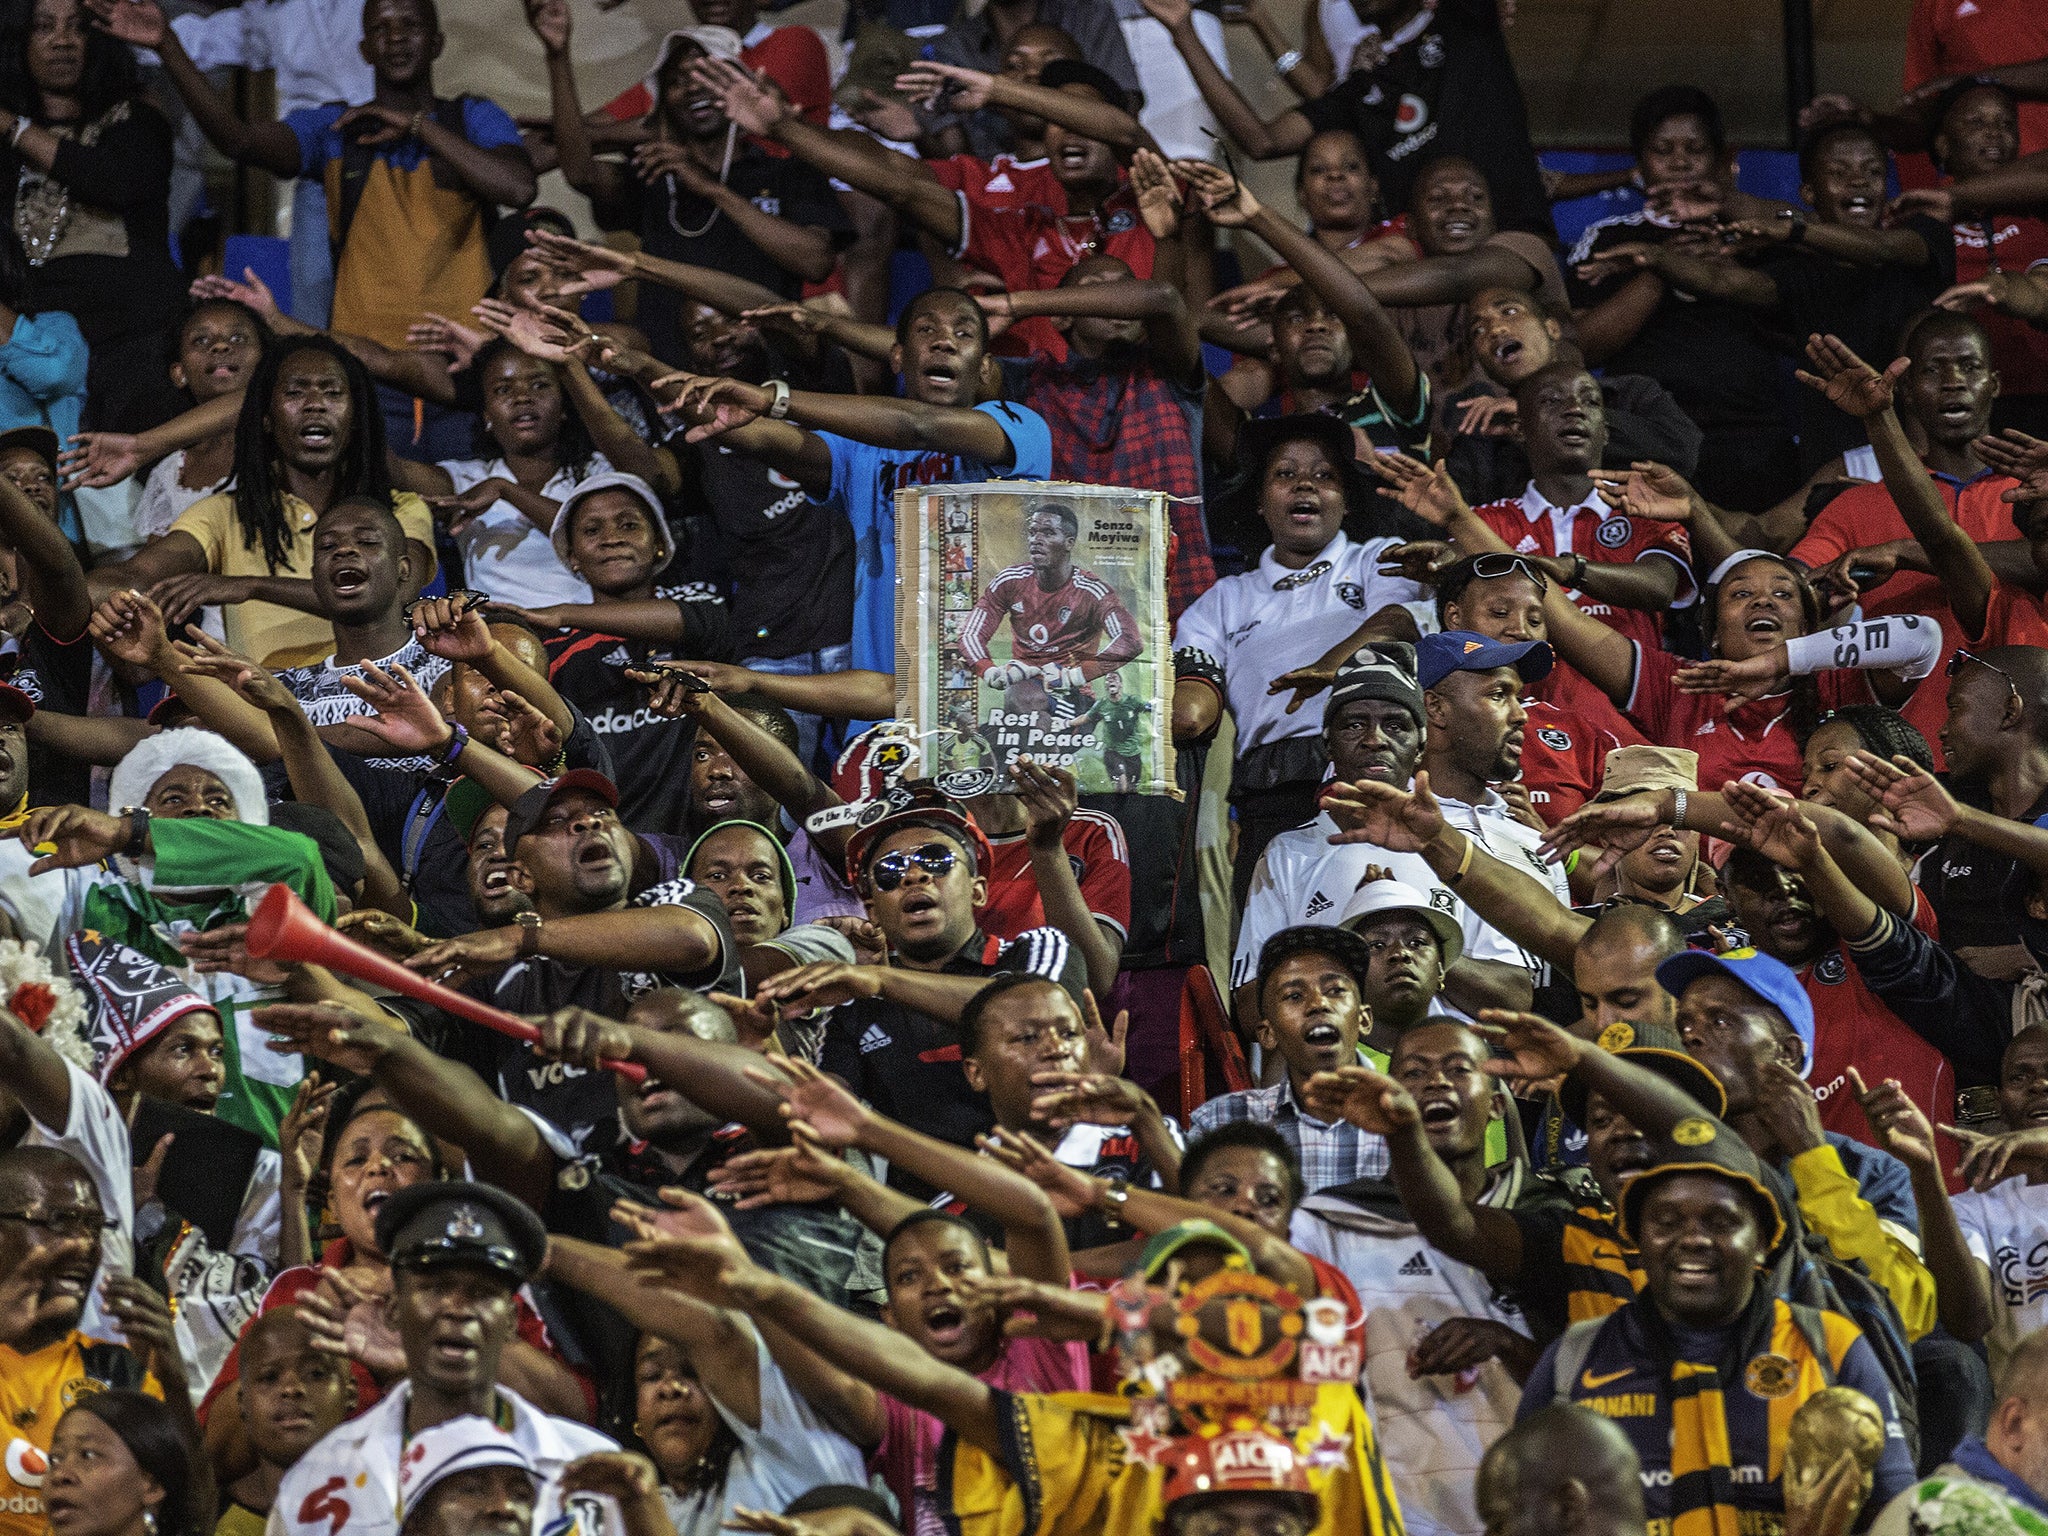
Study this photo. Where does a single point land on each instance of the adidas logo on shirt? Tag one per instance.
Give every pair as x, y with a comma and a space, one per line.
875, 1039
1317, 905
1419, 1265
1528, 546
619, 657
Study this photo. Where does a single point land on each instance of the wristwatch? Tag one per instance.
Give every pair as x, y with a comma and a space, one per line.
1116, 1194
444, 767
529, 933
778, 408
138, 832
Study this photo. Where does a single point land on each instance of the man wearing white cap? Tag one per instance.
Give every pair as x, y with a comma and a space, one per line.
467, 1477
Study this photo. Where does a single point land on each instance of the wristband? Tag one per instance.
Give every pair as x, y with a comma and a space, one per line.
1677, 807
1288, 62
138, 832
444, 760
778, 408
1465, 864
412, 129
1795, 232
1905, 643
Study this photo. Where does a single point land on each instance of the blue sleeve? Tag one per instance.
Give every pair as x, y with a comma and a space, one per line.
1859, 1369
311, 126
46, 356
1541, 1389
1030, 441
844, 452
487, 125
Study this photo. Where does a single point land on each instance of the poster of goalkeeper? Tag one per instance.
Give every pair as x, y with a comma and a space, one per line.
1032, 621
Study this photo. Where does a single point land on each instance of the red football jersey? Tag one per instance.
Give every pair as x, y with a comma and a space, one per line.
1603, 537
2018, 350
1864, 515
1004, 182
2014, 617
1566, 687
1102, 868
1853, 1028
1749, 742
1083, 623
1563, 759
1032, 245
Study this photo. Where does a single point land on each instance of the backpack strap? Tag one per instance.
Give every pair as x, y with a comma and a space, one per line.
1574, 1349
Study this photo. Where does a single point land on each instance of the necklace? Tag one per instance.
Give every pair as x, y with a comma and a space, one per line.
732, 133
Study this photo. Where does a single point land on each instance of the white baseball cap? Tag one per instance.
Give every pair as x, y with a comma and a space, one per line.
1375, 897
466, 1444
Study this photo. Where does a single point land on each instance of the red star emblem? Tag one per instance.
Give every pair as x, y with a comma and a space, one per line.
1143, 1447
1330, 1450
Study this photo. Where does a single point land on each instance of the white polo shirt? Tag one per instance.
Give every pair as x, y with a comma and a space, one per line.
347, 1484
1272, 620
1303, 878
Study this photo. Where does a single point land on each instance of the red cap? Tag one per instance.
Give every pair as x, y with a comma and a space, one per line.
901, 803
13, 699
1252, 1460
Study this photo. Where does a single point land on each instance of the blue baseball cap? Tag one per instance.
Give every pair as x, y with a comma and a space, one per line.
1460, 650
1771, 980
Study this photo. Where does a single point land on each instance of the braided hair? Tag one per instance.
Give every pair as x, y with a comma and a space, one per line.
1884, 733
259, 479
1803, 712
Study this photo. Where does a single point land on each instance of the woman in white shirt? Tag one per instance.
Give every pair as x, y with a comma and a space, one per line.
1314, 596
547, 427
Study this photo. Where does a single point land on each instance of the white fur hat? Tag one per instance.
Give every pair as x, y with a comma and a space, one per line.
149, 760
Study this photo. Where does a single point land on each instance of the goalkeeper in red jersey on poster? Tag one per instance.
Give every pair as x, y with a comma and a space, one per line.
1034, 624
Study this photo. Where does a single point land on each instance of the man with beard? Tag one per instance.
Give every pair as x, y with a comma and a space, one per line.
1374, 729
583, 943
1068, 627
1446, 1352
1624, 571
459, 1254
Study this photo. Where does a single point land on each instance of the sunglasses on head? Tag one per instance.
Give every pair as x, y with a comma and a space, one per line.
1956, 661
1491, 567
935, 859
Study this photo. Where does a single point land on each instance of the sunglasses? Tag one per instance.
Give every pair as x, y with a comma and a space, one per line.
1492, 567
1956, 661
935, 859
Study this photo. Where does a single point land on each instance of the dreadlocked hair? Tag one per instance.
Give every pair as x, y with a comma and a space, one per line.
1803, 709
259, 471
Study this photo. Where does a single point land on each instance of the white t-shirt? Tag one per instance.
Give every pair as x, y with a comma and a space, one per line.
504, 552
46, 908
96, 1135
1433, 1430
1271, 620
2007, 1229
1303, 878
789, 1455
348, 1481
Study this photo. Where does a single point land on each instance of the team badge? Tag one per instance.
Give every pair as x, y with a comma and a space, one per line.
1443, 900
1693, 1131
1555, 739
1833, 969
1770, 1376
1618, 1036
1431, 54
1411, 114
1123, 221
464, 1226
1613, 533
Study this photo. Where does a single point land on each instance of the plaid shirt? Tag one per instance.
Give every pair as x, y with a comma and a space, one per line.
1328, 1154
1130, 427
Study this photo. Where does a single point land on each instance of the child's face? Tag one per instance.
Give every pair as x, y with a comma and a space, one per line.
292, 1393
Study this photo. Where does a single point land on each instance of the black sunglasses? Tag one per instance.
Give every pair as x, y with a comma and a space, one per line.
935, 859
1956, 661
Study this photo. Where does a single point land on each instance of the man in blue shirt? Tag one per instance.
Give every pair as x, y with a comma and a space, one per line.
853, 452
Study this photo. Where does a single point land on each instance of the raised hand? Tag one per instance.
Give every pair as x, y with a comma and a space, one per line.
145, 1322
98, 459
1650, 490
587, 266
717, 406
453, 962
139, 23
581, 1038
1536, 1049
224, 951
251, 290
1227, 201
451, 627
2013, 452
821, 984
1773, 824
205, 656
1072, 1192
25, 1303
886, 117
1487, 416
1159, 200
1401, 820
346, 1318
798, 1174
1426, 490
1914, 806
1849, 383
1937, 203
1616, 261
757, 107
386, 934
459, 509
379, 123
1086, 1098
528, 736
680, 1214
550, 22
1989, 1160
1620, 825
1034, 1309
78, 835
404, 718
946, 87
1050, 795
1102, 1050
1895, 1121
1370, 1100
181, 597
129, 627
1419, 562
1753, 677
1169, 13
437, 333
823, 1104
623, 1475
301, 1131
534, 334
791, 318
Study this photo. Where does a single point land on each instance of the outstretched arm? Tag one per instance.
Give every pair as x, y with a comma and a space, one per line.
51, 577
272, 145
956, 89
1263, 140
